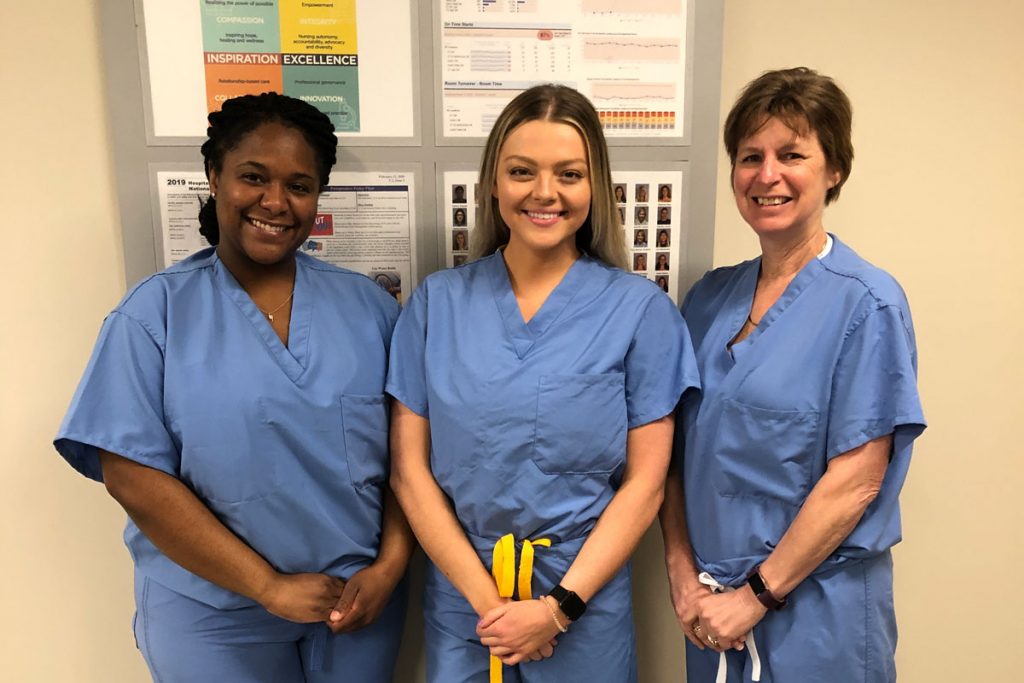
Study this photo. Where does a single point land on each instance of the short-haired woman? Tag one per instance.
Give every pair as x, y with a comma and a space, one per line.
795, 452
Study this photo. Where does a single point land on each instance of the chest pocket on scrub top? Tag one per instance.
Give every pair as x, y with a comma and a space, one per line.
765, 453
581, 423
365, 421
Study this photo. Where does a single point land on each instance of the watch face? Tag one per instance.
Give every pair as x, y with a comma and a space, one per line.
762, 593
570, 603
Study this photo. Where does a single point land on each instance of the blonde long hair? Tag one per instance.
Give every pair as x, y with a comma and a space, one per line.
601, 233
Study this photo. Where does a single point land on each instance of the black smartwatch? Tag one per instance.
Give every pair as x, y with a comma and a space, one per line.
571, 604
764, 594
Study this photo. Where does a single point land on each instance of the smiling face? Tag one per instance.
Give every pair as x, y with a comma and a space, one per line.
267, 190
542, 188
780, 180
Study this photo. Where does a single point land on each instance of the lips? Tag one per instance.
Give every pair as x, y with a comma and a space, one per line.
771, 201
544, 217
266, 226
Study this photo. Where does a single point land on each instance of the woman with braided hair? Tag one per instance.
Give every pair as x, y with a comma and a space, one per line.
234, 407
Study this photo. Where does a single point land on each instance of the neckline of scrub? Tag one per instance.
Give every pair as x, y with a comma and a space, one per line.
524, 334
292, 358
746, 289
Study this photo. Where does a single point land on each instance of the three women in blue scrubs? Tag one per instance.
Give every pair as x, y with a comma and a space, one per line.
234, 406
778, 533
534, 396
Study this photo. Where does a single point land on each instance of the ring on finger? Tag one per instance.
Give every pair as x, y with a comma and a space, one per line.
713, 640
696, 627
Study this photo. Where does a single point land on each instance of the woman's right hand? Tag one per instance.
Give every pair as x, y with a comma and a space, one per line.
302, 598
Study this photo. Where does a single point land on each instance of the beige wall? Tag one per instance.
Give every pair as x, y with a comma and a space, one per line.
933, 198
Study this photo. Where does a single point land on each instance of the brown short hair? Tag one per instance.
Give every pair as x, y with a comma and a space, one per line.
807, 102
601, 233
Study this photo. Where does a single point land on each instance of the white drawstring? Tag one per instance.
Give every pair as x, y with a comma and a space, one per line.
723, 662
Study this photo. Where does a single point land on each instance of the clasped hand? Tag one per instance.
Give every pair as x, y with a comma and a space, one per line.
518, 631
707, 618
724, 619
344, 605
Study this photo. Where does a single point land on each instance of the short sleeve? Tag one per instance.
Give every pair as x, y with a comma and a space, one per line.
407, 377
118, 406
660, 364
874, 387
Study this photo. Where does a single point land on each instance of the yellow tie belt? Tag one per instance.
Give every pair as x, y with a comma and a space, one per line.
503, 569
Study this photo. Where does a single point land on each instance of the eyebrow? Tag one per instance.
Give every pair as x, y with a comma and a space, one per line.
795, 142
528, 160
263, 168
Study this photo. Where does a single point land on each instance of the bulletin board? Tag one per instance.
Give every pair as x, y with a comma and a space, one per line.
414, 86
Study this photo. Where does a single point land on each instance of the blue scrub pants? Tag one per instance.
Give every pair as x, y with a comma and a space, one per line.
838, 626
186, 641
600, 647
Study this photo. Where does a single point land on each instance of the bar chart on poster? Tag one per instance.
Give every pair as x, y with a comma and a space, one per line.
629, 58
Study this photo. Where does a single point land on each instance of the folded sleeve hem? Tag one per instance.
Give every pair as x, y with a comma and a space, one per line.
418, 407
83, 454
912, 425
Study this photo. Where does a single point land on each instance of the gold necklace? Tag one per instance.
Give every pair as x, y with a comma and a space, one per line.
270, 314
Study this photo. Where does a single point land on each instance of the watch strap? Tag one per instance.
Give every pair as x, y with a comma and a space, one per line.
762, 592
571, 604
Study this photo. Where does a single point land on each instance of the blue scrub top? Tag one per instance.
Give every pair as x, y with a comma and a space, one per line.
528, 421
831, 366
286, 445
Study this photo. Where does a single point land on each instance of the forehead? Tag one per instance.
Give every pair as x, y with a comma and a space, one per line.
544, 138
273, 143
777, 131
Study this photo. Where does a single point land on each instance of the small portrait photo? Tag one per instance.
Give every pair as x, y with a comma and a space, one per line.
640, 262
460, 240
664, 215
390, 281
622, 216
458, 194
640, 238
459, 217
459, 259
664, 193
664, 238
662, 281
641, 193
640, 215
620, 193
661, 261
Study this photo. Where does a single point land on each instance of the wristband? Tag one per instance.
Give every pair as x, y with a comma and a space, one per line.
563, 629
570, 603
764, 594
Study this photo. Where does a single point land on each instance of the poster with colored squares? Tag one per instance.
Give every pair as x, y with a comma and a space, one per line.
303, 48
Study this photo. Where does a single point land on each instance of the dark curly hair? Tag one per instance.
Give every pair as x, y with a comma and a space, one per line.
240, 116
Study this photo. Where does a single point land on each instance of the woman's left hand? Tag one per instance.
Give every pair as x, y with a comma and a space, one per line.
728, 617
517, 631
362, 600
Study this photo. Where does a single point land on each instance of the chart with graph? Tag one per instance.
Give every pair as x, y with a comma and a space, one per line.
628, 56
